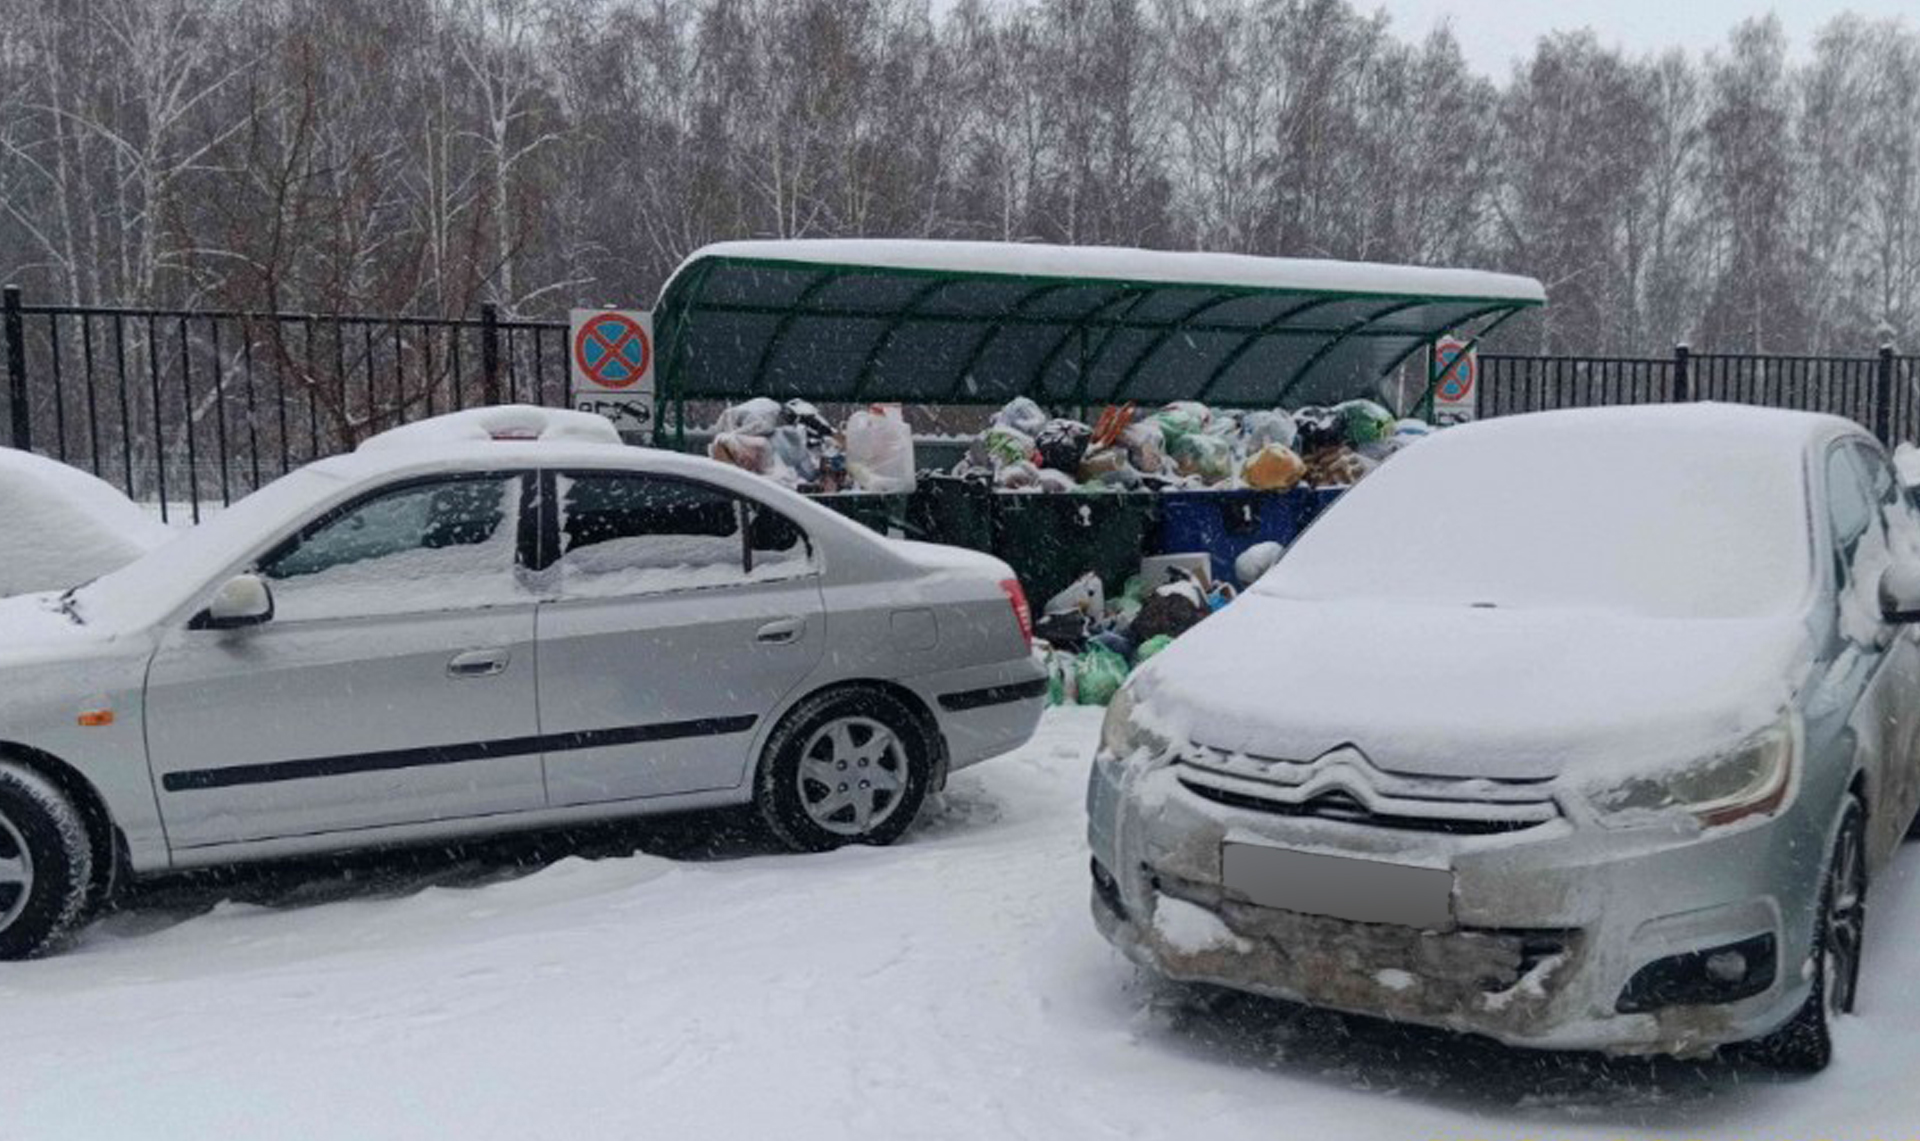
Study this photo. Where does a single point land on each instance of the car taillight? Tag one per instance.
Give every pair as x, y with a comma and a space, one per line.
1022, 613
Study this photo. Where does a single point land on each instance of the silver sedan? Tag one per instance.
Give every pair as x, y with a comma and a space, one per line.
440, 637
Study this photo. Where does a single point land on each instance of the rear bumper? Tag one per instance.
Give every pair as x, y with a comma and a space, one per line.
984, 711
1550, 926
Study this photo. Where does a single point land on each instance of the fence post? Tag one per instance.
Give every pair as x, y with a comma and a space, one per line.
490, 351
1682, 373
1883, 397
17, 371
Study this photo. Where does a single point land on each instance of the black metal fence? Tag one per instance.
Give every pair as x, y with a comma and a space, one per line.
1881, 392
187, 408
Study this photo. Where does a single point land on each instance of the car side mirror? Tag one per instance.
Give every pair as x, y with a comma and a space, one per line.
1900, 593
243, 600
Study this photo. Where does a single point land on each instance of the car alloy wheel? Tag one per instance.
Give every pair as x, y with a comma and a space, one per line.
852, 776
16, 873
1843, 926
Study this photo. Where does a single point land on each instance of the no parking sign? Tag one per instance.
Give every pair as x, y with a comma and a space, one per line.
611, 353
1456, 381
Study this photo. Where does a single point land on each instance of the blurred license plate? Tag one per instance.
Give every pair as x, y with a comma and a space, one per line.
1363, 891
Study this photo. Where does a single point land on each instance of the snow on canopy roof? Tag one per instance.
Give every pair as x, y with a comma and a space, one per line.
983, 322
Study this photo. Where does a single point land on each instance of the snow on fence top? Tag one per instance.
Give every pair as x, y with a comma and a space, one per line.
982, 322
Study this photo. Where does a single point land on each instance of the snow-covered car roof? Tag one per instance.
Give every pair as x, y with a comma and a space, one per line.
983, 322
61, 526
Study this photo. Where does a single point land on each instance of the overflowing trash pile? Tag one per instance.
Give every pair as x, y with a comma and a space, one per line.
1090, 637
1090, 643
1186, 446
795, 446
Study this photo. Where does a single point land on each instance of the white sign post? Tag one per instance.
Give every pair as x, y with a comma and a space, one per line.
611, 354
1455, 369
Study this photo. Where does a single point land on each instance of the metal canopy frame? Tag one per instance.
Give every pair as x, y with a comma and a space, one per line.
762, 303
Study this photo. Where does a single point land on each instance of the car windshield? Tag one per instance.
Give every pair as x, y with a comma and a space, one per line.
165, 577
1657, 516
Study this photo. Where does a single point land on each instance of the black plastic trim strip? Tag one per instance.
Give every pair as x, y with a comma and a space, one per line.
993, 695
193, 780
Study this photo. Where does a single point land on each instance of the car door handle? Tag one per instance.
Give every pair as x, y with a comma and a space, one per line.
478, 663
781, 631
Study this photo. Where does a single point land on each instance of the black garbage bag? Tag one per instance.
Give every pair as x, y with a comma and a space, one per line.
1319, 428
1062, 444
1067, 630
1172, 610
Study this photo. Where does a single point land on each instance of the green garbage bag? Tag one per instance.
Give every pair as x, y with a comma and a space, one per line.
1098, 675
1364, 421
1152, 646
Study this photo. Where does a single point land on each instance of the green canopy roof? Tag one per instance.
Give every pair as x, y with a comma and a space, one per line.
982, 322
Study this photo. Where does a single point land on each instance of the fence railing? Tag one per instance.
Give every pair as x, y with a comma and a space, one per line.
186, 408
191, 407
1881, 392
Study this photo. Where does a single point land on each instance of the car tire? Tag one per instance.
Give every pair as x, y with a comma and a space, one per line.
46, 864
1805, 1044
849, 766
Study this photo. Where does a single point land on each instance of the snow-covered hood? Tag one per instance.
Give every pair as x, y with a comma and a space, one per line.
35, 631
1470, 692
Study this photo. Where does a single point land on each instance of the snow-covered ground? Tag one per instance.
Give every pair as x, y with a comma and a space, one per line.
951, 986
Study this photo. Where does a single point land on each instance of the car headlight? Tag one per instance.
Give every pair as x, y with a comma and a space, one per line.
1752, 779
1122, 735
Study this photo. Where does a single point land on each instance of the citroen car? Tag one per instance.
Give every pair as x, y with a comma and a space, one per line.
1577, 730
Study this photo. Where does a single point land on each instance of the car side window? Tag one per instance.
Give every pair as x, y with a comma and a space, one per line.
622, 534
1860, 551
1850, 504
436, 545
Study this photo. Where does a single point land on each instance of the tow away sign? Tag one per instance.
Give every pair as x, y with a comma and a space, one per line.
611, 353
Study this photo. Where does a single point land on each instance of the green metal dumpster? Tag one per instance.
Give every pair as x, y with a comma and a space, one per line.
1051, 539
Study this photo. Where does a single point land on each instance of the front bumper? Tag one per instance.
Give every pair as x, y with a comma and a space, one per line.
1549, 924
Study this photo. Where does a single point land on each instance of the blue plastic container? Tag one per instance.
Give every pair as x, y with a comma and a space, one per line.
1225, 523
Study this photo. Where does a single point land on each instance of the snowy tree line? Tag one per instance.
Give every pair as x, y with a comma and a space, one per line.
424, 156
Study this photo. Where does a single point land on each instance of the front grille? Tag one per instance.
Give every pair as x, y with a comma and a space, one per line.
1345, 807
1350, 791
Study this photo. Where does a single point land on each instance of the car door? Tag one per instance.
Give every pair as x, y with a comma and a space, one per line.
674, 616
394, 683
1890, 708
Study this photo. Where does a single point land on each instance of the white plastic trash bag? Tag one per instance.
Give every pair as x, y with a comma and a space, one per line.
880, 450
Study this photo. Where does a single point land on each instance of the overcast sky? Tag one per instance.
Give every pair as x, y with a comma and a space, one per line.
1494, 33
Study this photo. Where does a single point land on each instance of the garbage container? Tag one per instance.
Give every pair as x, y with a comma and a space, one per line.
1222, 524
949, 510
886, 514
1051, 539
